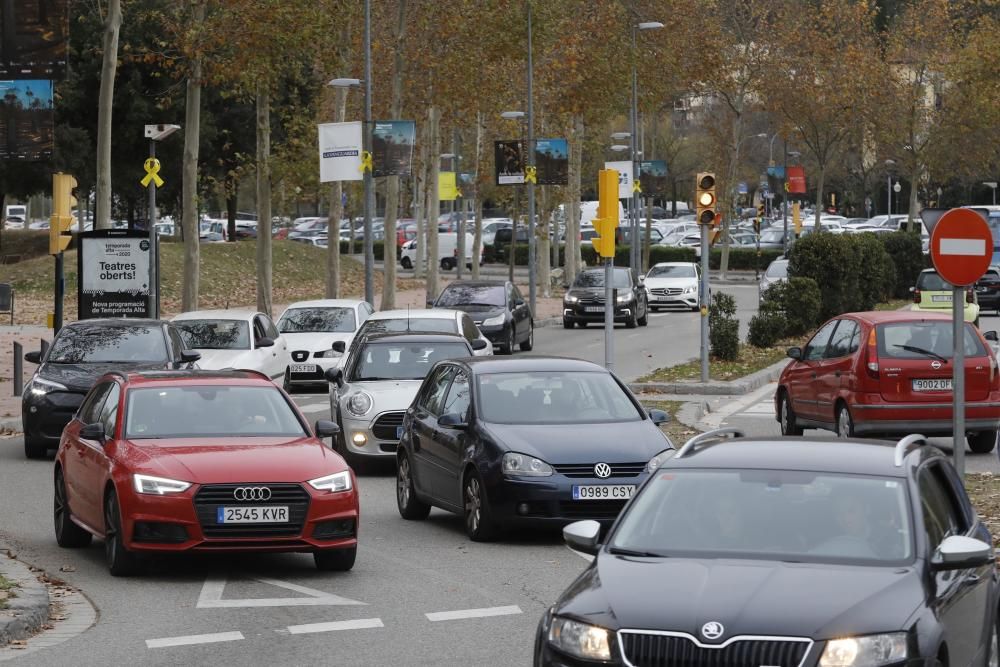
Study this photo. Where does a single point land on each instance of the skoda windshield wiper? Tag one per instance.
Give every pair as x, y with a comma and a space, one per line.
621, 551
920, 350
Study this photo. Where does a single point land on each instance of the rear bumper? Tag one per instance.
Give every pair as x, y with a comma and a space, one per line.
971, 310
927, 418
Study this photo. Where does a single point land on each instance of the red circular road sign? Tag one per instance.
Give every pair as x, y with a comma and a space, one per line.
961, 246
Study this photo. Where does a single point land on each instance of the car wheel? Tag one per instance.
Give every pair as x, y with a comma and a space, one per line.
644, 320
335, 560
632, 322
567, 324
845, 425
582, 325
410, 507
68, 534
479, 524
787, 417
407, 264
121, 562
695, 309
982, 442
35, 448
508, 347
529, 342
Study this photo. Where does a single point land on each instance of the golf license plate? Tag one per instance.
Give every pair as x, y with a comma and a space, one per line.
604, 492
941, 384
941, 297
594, 309
302, 368
276, 514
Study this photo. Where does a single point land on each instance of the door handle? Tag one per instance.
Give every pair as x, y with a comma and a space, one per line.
836, 374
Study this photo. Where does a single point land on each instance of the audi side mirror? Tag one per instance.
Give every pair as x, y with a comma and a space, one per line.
33, 357
326, 428
583, 536
93, 432
265, 342
795, 353
339, 346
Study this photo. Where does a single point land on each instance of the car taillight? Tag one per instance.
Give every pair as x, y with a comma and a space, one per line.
872, 354
916, 298
969, 296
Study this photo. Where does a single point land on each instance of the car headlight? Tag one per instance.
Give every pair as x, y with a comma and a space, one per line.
359, 404
494, 321
658, 460
338, 481
514, 463
624, 298
569, 298
158, 486
41, 386
580, 640
326, 354
870, 651
690, 289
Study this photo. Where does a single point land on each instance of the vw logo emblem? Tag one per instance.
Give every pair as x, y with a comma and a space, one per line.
602, 470
935, 365
247, 493
712, 630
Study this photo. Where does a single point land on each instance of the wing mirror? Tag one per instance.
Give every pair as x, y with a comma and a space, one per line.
991, 336
93, 432
583, 536
326, 428
265, 342
339, 346
795, 353
961, 553
335, 376
33, 357
479, 344
453, 420
189, 357
659, 417
518, 302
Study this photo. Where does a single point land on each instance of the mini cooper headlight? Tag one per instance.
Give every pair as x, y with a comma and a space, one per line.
658, 460
158, 486
359, 404
514, 463
870, 651
338, 481
580, 640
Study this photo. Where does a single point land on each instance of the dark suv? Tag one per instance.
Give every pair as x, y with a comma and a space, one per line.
988, 289
584, 300
787, 553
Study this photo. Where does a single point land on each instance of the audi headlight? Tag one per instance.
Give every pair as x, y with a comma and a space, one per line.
580, 640
870, 651
338, 481
359, 404
569, 298
658, 460
158, 486
494, 321
41, 386
522, 464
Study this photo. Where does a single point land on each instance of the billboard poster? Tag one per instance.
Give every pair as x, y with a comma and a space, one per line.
797, 180
113, 274
392, 147
340, 152
33, 38
508, 161
624, 168
653, 177
447, 186
552, 161
26, 120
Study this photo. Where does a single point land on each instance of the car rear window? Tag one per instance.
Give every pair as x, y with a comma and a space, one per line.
932, 282
923, 340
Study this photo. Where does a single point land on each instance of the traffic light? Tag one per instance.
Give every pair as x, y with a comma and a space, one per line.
715, 231
606, 222
63, 202
705, 199
759, 220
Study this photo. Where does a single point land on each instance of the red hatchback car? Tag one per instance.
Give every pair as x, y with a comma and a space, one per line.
183, 461
888, 373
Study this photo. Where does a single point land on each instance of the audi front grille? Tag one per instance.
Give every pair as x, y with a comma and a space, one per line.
653, 649
587, 470
384, 427
209, 498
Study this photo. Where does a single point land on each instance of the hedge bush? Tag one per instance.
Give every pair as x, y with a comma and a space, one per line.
28, 243
766, 329
832, 261
789, 308
878, 273
908, 259
723, 327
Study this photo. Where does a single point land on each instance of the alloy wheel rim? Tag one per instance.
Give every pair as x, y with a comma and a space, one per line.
531, 336
845, 424
60, 500
403, 485
472, 504
110, 530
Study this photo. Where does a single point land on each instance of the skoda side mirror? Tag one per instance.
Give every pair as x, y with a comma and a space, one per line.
961, 553
452, 420
583, 536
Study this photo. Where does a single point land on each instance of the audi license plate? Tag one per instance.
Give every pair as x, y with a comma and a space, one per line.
278, 514
943, 384
604, 492
302, 368
941, 297
594, 309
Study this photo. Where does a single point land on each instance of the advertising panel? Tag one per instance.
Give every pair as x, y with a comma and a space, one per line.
113, 274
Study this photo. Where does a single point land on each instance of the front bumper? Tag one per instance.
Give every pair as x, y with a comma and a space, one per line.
46, 415
687, 300
580, 312
378, 440
497, 334
873, 415
548, 501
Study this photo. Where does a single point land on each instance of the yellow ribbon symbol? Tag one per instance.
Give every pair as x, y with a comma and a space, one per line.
530, 175
366, 162
152, 167
636, 187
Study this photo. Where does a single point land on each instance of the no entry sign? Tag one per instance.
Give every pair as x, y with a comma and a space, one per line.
961, 246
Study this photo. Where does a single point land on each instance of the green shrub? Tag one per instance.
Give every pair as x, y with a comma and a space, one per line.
766, 329
801, 301
28, 243
877, 273
743, 259
832, 261
908, 260
723, 327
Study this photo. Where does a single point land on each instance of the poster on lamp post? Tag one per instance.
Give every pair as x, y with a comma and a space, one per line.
392, 147
796, 180
552, 161
113, 274
340, 152
653, 177
33, 38
26, 120
508, 161
624, 169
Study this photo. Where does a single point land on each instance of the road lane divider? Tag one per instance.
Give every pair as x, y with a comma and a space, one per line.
472, 613
191, 640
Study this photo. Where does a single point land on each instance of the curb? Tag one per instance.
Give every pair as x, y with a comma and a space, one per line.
29, 610
12, 425
692, 412
744, 385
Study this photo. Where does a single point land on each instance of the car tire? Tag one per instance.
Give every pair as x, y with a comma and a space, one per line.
582, 325
786, 417
644, 320
121, 562
508, 347
982, 442
528, 343
407, 264
479, 524
567, 324
632, 322
68, 534
845, 424
335, 560
35, 448
410, 507
447, 265
695, 309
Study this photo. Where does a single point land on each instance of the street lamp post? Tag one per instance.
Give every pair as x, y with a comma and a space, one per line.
367, 143
634, 247
518, 116
888, 189
784, 197
532, 278
154, 133
992, 185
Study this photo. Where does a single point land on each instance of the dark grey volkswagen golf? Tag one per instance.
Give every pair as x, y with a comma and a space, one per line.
784, 553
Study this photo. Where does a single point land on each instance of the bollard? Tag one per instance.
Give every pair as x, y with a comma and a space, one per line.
18, 369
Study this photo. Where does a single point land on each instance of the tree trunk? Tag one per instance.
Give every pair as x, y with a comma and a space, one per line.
477, 241
731, 196
263, 200
105, 100
189, 186
544, 243
420, 201
573, 258
392, 183
914, 209
335, 216
434, 206
820, 179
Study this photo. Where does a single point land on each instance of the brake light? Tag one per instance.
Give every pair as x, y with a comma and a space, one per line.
916, 297
969, 296
872, 354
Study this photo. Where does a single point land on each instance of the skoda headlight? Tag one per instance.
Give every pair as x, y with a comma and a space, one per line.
569, 298
359, 404
658, 460
494, 321
158, 486
41, 386
338, 481
522, 464
580, 640
870, 651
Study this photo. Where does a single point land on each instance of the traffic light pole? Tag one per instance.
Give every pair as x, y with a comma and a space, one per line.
154, 292
704, 303
57, 312
609, 314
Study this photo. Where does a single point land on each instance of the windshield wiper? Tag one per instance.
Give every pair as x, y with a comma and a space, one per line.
621, 551
920, 350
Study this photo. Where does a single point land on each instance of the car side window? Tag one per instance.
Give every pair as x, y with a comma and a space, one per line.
258, 330
109, 412
469, 329
176, 343
855, 340
457, 401
840, 341
435, 389
943, 516
517, 295
270, 330
91, 408
816, 347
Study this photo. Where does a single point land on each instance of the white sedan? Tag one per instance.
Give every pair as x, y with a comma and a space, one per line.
240, 339
311, 328
672, 284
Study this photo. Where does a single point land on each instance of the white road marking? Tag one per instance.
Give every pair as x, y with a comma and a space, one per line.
211, 596
315, 407
334, 626
190, 640
970, 247
472, 613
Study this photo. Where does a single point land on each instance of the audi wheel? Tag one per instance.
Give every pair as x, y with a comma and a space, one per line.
121, 562
68, 534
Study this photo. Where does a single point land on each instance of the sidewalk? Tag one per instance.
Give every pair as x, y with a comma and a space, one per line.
29, 337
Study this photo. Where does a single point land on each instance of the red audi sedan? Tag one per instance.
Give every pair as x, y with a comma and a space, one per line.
889, 373
209, 461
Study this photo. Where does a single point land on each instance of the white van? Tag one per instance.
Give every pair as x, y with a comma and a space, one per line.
447, 251
588, 211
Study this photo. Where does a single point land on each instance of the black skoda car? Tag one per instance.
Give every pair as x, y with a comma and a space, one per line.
786, 553
584, 300
82, 352
532, 440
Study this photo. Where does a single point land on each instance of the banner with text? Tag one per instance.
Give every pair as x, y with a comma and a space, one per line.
796, 180
508, 161
113, 274
447, 186
392, 147
340, 152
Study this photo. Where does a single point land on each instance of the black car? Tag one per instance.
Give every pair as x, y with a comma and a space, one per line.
584, 300
497, 308
988, 290
501, 241
535, 440
787, 553
82, 352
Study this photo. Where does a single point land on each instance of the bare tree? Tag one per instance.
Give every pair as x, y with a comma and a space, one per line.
105, 101
392, 183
